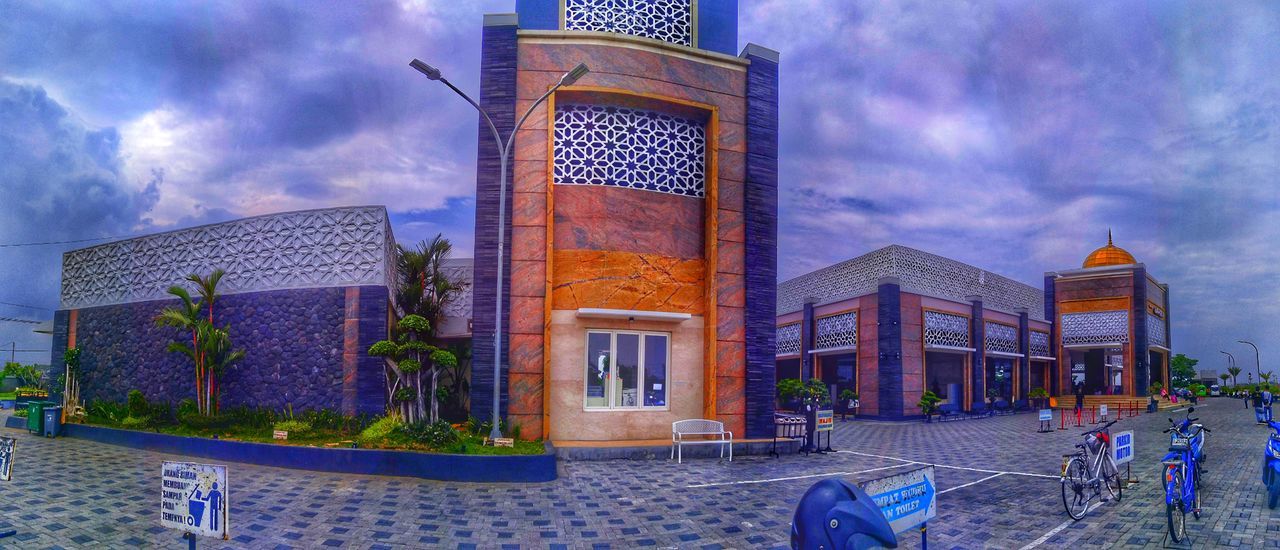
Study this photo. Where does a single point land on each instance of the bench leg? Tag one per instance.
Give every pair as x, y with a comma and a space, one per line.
730, 450
673, 450
679, 454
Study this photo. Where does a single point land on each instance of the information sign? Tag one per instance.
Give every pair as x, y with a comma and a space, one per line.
826, 420
280, 434
1046, 415
907, 499
504, 442
1102, 410
1122, 449
6, 457
193, 498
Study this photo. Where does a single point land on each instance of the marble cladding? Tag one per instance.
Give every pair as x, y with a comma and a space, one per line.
628, 220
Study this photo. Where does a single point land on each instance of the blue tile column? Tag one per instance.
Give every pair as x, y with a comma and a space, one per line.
1024, 364
760, 211
371, 387
806, 341
1141, 360
889, 346
498, 98
978, 357
1051, 315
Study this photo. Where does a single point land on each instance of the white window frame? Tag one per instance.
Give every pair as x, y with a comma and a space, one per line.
611, 387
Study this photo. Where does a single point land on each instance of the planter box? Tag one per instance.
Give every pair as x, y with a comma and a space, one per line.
443, 467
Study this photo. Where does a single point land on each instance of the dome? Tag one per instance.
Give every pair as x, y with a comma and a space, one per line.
1109, 255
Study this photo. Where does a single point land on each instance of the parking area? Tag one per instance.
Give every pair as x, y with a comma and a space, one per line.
997, 483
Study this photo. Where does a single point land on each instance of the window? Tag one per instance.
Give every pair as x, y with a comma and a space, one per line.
626, 369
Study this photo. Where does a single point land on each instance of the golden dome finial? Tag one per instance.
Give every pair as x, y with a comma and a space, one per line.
1109, 255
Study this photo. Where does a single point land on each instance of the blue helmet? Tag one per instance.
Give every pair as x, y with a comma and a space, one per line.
836, 515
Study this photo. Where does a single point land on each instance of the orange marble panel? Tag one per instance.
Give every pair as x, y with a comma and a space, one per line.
525, 352
731, 194
736, 423
529, 209
731, 108
730, 227
526, 315
731, 395
625, 280
530, 176
1100, 304
528, 278
729, 257
531, 145
730, 290
525, 390
529, 243
530, 425
601, 217
732, 165
733, 137
729, 324
538, 118
620, 60
731, 358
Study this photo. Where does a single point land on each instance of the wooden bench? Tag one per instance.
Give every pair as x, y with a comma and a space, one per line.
699, 427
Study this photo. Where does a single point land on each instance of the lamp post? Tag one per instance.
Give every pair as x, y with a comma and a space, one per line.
1232, 359
504, 150
1257, 357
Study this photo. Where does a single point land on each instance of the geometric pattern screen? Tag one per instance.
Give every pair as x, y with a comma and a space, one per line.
633, 148
1155, 332
666, 20
310, 249
1099, 327
1002, 338
789, 339
945, 329
837, 331
1039, 344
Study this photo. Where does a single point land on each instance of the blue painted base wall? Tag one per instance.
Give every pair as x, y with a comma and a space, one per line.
444, 467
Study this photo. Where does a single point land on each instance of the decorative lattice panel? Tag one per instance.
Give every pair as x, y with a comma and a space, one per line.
1040, 344
919, 273
789, 339
837, 331
459, 269
945, 329
1155, 332
1002, 338
603, 145
1099, 327
308, 249
665, 20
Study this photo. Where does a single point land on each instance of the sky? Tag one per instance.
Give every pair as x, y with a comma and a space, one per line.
1008, 135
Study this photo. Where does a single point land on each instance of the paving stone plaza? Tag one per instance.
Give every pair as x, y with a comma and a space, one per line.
997, 481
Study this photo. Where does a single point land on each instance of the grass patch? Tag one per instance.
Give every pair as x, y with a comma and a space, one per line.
8, 396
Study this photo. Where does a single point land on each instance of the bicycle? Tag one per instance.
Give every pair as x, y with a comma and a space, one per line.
1182, 471
1089, 469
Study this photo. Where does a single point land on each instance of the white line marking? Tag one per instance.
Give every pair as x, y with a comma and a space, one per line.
1056, 530
955, 467
831, 474
949, 489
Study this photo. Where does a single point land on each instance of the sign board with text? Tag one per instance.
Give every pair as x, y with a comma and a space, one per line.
280, 434
907, 499
6, 457
1046, 415
193, 498
826, 420
1102, 409
1122, 448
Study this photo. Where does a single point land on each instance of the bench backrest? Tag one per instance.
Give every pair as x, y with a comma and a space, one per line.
697, 426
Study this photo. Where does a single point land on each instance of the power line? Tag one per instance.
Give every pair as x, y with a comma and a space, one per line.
15, 320
11, 245
26, 306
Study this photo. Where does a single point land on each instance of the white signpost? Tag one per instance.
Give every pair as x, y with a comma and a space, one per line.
6, 457
907, 500
193, 499
1102, 412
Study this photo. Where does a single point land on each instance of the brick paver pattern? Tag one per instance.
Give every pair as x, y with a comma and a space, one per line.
997, 482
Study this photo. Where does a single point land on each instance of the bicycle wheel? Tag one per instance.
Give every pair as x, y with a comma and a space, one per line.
1195, 509
1175, 511
1115, 486
1075, 491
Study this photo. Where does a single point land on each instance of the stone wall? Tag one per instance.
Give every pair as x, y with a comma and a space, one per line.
295, 342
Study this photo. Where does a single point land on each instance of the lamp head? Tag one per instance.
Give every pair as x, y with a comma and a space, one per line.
431, 72
574, 74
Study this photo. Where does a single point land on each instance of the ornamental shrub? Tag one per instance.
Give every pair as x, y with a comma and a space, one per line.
186, 407
380, 430
135, 422
138, 406
928, 403
438, 435
201, 422
405, 394
293, 427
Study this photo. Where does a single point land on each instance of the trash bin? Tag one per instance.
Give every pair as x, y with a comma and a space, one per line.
35, 417
52, 421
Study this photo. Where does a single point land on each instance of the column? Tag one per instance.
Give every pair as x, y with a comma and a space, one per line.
978, 358
889, 346
1024, 364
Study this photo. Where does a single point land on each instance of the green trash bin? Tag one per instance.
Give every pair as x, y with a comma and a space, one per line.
35, 416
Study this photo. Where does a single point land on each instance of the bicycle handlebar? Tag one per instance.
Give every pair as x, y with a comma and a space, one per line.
1104, 426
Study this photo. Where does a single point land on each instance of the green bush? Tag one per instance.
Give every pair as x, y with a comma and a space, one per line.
438, 435
106, 412
186, 407
380, 430
256, 418
790, 389
199, 421
929, 403
1038, 393
135, 422
405, 394
293, 427
138, 405
20, 413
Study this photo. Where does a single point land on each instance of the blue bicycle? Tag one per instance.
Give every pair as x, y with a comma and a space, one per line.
1182, 472
1271, 466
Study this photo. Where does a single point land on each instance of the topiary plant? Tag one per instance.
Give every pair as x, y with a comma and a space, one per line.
928, 403
138, 406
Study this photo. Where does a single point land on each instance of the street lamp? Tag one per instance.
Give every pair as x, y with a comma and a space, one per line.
504, 149
1257, 357
1232, 358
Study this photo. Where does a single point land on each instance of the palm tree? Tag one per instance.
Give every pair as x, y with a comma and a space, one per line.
425, 288
185, 316
1266, 377
210, 350
1234, 371
1224, 377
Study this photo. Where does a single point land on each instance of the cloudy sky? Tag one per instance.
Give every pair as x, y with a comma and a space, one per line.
1009, 135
